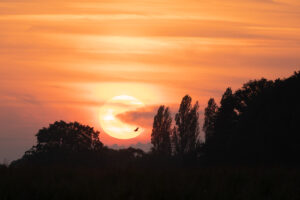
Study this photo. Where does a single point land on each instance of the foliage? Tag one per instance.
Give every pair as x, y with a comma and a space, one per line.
258, 123
186, 131
161, 132
210, 119
63, 142
67, 136
268, 129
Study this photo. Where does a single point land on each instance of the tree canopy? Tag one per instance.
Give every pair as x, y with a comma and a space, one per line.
210, 119
69, 137
186, 131
257, 123
161, 132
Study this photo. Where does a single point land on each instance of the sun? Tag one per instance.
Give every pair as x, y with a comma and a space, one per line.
112, 125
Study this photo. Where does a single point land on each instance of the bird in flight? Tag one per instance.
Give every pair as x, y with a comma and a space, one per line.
137, 129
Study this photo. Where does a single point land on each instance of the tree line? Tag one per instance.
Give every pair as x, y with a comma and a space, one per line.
258, 123
183, 138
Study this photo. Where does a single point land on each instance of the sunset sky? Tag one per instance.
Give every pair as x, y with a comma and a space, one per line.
63, 60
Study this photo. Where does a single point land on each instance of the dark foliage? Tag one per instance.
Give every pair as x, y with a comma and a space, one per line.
63, 142
268, 129
258, 123
224, 121
73, 137
186, 131
161, 132
210, 115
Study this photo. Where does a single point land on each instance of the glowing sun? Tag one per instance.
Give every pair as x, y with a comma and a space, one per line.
112, 125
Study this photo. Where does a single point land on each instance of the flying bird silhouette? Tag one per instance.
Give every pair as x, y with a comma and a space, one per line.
137, 129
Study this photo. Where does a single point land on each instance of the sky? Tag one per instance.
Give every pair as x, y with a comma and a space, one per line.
64, 60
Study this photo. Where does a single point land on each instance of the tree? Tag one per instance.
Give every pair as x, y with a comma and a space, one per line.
227, 116
220, 125
268, 126
248, 94
71, 137
161, 132
210, 119
186, 131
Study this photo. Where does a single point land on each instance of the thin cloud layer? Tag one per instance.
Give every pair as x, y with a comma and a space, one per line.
143, 116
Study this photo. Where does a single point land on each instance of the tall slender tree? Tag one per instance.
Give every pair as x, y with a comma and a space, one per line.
186, 131
227, 116
224, 124
210, 119
161, 132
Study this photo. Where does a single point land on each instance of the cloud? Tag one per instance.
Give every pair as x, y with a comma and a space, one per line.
43, 96
134, 26
143, 116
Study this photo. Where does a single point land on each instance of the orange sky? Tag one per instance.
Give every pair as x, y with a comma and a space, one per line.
64, 60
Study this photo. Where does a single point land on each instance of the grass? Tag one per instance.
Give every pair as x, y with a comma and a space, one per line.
53, 183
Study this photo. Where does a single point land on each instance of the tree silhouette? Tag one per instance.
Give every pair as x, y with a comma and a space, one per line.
268, 128
72, 137
210, 119
248, 94
186, 131
224, 124
227, 115
257, 123
161, 132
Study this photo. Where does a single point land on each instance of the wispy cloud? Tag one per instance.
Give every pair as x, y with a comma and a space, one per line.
65, 59
143, 116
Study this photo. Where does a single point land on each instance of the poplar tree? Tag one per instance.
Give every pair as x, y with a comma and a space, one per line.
186, 131
210, 119
161, 132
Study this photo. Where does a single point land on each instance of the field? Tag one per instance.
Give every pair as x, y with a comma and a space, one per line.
51, 183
